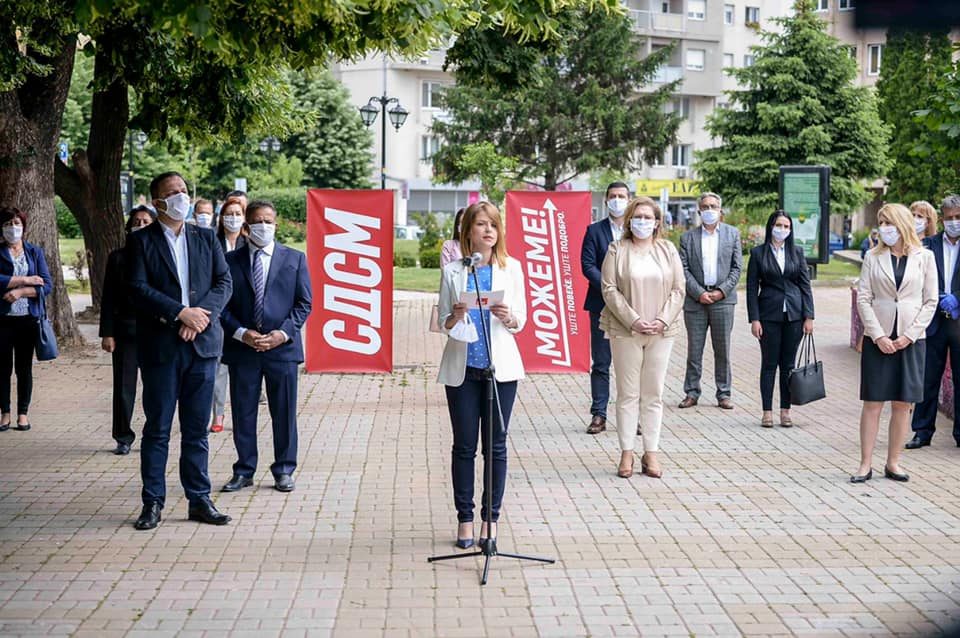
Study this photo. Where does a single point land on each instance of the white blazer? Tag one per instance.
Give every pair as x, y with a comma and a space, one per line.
505, 356
879, 300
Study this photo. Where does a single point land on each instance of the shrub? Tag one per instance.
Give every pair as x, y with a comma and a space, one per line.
430, 258
67, 225
291, 203
403, 260
289, 232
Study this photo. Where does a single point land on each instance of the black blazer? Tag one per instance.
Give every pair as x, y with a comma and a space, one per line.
241, 242
287, 302
595, 244
118, 319
156, 291
935, 245
767, 287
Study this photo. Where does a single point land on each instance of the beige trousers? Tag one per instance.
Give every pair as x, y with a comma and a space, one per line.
640, 363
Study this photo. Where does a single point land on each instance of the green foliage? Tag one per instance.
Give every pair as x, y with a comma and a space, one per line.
913, 63
401, 260
289, 232
431, 237
940, 120
798, 106
562, 108
66, 223
483, 162
290, 203
430, 258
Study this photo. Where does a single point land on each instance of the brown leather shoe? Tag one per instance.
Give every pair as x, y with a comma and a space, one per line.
597, 424
688, 402
726, 404
625, 471
650, 466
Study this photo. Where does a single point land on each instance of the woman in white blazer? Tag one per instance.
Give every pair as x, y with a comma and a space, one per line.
897, 297
643, 288
464, 366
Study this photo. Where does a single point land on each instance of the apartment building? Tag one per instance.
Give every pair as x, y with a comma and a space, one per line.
709, 37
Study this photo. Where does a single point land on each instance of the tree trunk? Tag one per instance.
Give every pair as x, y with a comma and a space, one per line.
91, 189
30, 118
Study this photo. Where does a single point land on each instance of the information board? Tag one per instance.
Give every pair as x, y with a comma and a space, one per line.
805, 196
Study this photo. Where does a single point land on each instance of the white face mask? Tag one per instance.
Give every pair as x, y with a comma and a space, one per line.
177, 206
464, 331
232, 223
262, 234
204, 220
710, 216
12, 234
134, 229
780, 234
952, 226
920, 225
889, 234
617, 206
642, 228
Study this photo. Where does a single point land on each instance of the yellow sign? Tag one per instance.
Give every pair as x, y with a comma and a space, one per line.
677, 188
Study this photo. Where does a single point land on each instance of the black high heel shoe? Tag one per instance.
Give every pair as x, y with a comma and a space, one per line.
483, 540
465, 543
890, 474
862, 478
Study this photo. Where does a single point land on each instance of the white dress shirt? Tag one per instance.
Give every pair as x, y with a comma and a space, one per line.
780, 254
178, 247
950, 250
265, 256
617, 231
710, 250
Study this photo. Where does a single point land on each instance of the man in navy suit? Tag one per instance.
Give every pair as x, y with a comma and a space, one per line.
943, 333
595, 243
270, 303
180, 284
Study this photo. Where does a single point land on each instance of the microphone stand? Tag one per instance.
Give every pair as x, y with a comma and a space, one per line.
488, 549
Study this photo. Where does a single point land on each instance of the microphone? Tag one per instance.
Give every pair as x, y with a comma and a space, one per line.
472, 260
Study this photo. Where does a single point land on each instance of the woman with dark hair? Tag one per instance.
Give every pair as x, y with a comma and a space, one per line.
118, 334
24, 277
450, 250
230, 232
780, 309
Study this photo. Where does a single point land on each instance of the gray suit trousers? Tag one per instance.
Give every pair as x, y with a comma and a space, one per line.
718, 318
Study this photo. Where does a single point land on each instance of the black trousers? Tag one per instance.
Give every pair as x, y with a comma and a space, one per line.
124, 389
778, 349
18, 338
944, 341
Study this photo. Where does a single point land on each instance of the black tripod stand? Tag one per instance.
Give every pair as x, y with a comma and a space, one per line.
489, 548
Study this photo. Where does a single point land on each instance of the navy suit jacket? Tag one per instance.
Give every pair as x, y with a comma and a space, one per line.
595, 244
935, 244
768, 288
156, 291
287, 300
36, 265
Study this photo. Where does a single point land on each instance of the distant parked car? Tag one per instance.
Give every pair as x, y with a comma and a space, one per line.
407, 232
835, 243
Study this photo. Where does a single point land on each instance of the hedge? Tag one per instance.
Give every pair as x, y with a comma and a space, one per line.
291, 203
67, 225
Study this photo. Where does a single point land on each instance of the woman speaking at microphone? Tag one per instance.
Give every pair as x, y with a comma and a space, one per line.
465, 360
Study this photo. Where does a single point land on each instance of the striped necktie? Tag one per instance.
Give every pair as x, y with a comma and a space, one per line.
258, 289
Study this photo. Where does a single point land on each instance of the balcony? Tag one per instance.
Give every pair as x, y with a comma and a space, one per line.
655, 21
667, 74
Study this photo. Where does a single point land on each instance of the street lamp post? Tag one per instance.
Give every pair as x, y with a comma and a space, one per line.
398, 115
270, 146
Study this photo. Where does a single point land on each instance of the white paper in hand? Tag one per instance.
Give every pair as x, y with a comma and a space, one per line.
488, 299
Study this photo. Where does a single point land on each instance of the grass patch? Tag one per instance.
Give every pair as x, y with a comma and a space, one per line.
69, 248
416, 279
75, 287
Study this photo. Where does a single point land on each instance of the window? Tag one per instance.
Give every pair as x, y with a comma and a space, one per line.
748, 59
852, 51
680, 106
696, 59
846, 5
753, 15
430, 95
728, 11
874, 58
429, 145
728, 61
697, 9
681, 155
823, 5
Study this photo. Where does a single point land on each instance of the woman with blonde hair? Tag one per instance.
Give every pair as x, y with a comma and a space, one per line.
896, 299
924, 219
643, 287
466, 364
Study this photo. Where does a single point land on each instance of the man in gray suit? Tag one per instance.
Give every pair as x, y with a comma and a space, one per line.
712, 260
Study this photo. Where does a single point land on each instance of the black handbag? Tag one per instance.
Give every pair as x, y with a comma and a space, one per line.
806, 378
46, 338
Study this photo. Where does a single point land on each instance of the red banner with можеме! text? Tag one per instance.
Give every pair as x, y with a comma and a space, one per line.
350, 256
545, 233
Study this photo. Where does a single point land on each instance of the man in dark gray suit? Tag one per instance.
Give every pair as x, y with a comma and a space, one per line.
712, 260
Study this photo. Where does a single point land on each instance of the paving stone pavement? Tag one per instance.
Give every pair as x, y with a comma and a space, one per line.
750, 532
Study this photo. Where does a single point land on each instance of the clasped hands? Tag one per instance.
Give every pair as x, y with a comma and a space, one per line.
655, 327
710, 297
890, 346
193, 321
16, 293
263, 342
950, 306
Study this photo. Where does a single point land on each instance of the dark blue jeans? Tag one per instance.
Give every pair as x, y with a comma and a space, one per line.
184, 384
468, 413
600, 370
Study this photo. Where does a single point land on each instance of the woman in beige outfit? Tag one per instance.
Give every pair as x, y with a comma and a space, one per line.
643, 287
